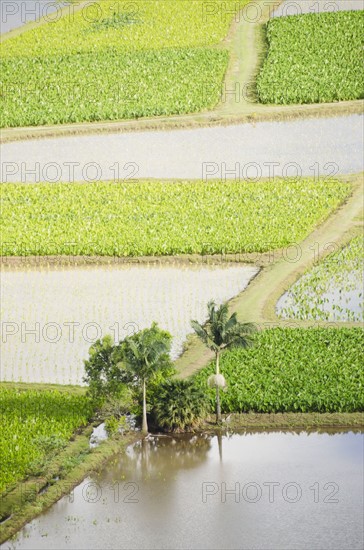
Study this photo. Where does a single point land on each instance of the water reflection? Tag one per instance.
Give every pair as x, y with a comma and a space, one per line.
252, 490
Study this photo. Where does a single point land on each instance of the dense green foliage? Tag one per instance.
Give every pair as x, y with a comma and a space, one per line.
327, 291
117, 60
99, 86
117, 373
179, 405
35, 424
293, 370
313, 58
153, 218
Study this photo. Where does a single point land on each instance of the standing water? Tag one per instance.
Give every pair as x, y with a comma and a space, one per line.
248, 491
51, 317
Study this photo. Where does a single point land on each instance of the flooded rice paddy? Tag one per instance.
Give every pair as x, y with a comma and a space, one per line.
51, 317
249, 491
313, 147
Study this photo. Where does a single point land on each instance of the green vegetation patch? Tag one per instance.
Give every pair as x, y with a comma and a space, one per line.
35, 425
293, 370
153, 218
313, 58
110, 86
106, 62
332, 290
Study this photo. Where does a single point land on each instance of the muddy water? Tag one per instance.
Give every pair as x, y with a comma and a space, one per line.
51, 317
16, 13
312, 147
251, 491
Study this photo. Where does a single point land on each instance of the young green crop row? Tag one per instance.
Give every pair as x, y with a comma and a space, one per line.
313, 58
153, 218
110, 85
293, 370
332, 290
120, 25
116, 59
35, 423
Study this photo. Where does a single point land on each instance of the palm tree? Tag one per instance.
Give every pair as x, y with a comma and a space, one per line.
219, 333
143, 354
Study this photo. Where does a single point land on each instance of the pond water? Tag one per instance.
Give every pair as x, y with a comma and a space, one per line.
16, 13
249, 491
51, 317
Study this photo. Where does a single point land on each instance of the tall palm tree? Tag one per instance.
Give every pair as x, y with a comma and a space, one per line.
143, 354
222, 332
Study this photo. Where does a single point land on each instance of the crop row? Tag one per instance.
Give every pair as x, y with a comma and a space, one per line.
33, 424
110, 85
153, 218
294, 370
332, 290
116, 60
313, 58
122, 26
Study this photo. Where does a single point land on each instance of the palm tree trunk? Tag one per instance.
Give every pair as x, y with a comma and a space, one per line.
218, 407
145, 423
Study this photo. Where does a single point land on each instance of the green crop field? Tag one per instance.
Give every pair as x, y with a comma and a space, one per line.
35, 424
117, 60
294, 370
153, 218
313, 58
340, 275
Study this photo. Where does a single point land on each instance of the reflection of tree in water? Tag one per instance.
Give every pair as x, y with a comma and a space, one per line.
156, 457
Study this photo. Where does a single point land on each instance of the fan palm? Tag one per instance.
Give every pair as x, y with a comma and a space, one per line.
221, 332
180, 405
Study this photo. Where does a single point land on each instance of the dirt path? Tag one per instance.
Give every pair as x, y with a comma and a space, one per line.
257, 305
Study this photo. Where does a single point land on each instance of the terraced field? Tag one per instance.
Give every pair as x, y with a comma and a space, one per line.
114, 60
313, 58
298, 370
333, 290
36, 424
163, 218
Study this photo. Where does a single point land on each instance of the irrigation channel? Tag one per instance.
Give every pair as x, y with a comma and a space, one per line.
250, 490
253, 490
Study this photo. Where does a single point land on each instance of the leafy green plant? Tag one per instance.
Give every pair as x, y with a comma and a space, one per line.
116, 21
327, 290
34, 425
163, 218
293, 370
179, 405
158, 59
313, 58
103, 376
